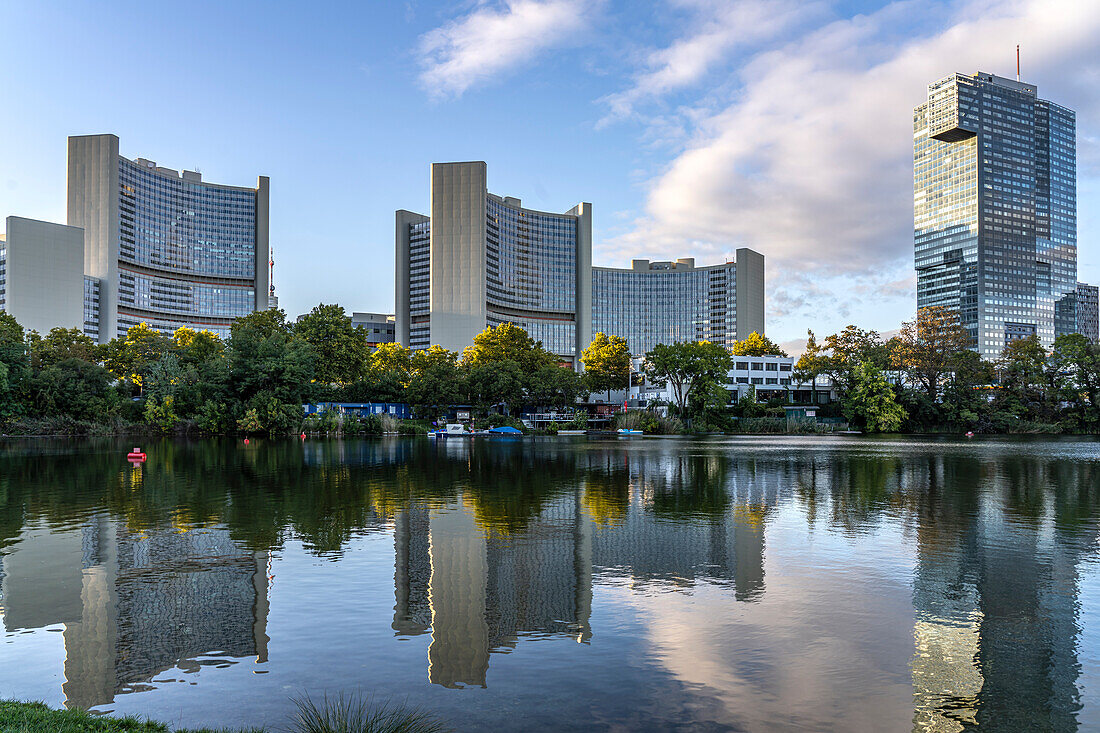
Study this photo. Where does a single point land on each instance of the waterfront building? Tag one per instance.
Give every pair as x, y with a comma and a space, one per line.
767, 376
480, 260
1088, 311
995, 209
42, 274
167, 248
665, 302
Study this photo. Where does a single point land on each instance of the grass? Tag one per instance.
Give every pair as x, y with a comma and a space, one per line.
35, 717
341, 714
354, 714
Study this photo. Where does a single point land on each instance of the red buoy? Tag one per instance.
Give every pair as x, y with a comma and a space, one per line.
246, 441
136, 456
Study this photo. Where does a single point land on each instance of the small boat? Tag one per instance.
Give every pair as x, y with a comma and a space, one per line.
572, 432
629, 431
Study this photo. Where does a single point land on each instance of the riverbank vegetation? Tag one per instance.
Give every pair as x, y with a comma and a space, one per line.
925, 379
340, 714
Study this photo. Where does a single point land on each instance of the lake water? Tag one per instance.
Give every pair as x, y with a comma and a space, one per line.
770, 583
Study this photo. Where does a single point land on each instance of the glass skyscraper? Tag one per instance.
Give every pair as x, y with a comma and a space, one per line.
162, 247
995, 209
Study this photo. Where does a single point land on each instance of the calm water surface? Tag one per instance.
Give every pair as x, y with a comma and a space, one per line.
726, 584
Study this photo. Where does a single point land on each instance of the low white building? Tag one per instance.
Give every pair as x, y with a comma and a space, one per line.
770, 376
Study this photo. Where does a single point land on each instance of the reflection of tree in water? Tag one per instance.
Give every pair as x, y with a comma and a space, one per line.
690, 487
607, 495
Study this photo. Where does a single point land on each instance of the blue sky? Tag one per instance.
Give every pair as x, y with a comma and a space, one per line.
694, 127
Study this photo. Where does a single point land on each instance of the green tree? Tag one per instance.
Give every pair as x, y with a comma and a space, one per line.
341, 348
606, 363
129, 358
555, 386
811, 365
63, 343
871, 401
495, 383
14, 365
436, 381
681, 364
72, 387
756, 344
844, 352
270, 370
1074, 369
507, 342
1022, 368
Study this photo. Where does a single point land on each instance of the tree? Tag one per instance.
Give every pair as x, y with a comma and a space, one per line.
1074, 369
507, 342
72, 387
1022, 367
843, 353
495, 383
14, 365
683, 363
63, 343
130, 357
606, 363
341, 348
871, 401
811, 365
393, 359
756, 344
271, 370
928, 347
436, 382
555, 386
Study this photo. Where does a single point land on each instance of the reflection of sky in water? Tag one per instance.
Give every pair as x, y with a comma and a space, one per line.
757, 584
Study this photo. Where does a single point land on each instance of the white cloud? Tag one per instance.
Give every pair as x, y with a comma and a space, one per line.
718, 28
493, 39
811, 163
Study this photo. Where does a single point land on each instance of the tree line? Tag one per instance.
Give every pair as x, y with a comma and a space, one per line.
925, 379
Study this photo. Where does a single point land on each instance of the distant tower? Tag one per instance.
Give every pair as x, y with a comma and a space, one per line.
272, 298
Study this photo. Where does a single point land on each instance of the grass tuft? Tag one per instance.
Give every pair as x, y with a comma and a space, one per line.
354, 714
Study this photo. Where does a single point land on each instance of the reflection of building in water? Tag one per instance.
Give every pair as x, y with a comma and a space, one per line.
478, 592
135, 604
996, 622
690, 518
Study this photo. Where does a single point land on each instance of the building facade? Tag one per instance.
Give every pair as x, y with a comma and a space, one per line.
666, 302
480, 260
166, 248
42, 274
995, 209
379, 327
1088, 311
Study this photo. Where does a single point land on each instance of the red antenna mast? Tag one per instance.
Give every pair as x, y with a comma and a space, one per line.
271, 275
1017, 62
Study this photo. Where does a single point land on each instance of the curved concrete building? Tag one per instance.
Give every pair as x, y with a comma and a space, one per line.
666, 302
167, 248
480, 260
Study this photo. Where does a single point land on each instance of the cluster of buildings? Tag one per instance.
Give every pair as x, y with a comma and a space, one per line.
995, 238
479, 260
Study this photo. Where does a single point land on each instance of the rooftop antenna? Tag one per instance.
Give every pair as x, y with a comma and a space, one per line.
271, 275
1017, 62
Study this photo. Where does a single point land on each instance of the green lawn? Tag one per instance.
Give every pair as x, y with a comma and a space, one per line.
34, 717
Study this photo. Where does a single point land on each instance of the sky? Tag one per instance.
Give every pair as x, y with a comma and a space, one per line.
694, 127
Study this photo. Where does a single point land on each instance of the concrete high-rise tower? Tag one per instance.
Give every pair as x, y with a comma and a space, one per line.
995, 209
